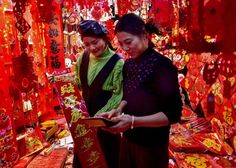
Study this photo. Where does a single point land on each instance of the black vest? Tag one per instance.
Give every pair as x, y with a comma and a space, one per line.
94, 96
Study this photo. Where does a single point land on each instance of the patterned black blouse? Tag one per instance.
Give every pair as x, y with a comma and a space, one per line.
151, 86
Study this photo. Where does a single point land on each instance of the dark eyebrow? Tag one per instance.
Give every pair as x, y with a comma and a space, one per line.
127, 40
95, 40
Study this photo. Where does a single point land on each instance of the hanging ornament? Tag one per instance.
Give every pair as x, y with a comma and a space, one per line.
97, 12
210, 73
22, 25
227, 67
161, 10
45, 9
19, 8
212, 16
227, 64
135, 4
123, 6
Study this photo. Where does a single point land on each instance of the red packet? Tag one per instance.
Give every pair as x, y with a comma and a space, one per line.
233, 142
56, 159
195, 161
177, 128
185, 143
198, 91
226, 161
198, 125
227, 116
213, 143
218, 128
188, 114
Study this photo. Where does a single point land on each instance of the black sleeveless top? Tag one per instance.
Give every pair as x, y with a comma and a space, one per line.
95, 97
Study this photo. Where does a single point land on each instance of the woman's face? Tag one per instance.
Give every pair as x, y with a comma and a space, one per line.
94, 45
133, 45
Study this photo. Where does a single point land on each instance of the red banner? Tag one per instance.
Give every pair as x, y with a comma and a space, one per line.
54, 40
85, 140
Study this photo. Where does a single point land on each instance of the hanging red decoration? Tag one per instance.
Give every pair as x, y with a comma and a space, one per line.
123, 6
210, 73
45, 9
227, 64
85, 139
213, 18
162, 10
135, 4
97, 12
54, 40
22, 25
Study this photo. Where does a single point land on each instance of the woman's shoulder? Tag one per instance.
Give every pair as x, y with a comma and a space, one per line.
161, 58
164, 61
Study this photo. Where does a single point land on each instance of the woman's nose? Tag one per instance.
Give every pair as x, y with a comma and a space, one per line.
125, 48
92, 47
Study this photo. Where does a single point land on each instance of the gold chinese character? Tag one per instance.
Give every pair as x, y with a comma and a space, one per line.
88, 142
75, 115
181, 141
227, 114
93, 157
210, 143
70, 101
67, 89
196, 161
80, 131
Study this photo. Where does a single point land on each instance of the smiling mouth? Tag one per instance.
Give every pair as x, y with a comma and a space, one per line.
95, 51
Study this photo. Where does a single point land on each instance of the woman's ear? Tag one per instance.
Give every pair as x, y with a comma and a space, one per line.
145, 37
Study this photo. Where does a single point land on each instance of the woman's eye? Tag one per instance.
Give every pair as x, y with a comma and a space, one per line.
94, 42
128, 42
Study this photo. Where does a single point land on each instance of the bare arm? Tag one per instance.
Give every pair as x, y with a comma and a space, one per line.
126, 121
154, 120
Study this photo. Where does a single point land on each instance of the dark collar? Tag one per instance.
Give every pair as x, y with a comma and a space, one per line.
145, 54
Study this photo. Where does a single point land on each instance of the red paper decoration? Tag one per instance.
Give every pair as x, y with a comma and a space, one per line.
123, 6
210, 73
213, 18
162, 11
227, 64
85, 139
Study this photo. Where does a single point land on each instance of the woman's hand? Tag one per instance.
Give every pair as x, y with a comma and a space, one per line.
124, 122
114, 112
109, 115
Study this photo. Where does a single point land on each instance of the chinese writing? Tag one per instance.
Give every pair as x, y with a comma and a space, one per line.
210, 143
70, 101
227, 114
93, 157
55, 51
80, 131
87, 144
67, 89
196, 161
75, 115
